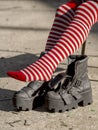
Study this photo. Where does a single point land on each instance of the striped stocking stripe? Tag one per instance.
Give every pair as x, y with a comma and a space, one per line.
44, 71
46, 66
69, 41
34, 71
72, 38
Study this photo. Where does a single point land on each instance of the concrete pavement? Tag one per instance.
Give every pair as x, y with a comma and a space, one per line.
24, 28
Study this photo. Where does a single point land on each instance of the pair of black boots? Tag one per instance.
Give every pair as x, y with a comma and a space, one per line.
64, 92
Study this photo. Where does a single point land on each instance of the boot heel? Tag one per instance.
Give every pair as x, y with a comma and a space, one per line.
87, 98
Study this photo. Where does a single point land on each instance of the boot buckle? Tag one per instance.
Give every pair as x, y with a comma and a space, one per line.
77, 83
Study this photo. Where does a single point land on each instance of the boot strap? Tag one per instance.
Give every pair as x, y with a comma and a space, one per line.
65, 98
72, 95
76, 94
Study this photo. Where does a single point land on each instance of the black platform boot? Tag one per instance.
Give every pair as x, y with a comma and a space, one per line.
75, 89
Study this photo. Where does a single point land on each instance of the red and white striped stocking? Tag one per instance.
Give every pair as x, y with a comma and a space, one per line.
69, 41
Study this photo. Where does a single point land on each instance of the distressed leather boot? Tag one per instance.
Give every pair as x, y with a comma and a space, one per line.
75, 90
30, 96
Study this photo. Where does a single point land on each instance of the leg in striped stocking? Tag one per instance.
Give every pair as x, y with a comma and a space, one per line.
71, 39
63, 18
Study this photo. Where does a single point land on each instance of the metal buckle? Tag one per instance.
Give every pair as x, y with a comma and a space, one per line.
77, 83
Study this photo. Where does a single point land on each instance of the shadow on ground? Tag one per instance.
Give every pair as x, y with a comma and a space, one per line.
16, 63
53, 3
6, 100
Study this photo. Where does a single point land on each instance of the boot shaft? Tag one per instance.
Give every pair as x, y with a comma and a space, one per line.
77, 69
77, 65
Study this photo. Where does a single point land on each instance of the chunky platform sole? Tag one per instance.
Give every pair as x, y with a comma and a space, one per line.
59, 106
23, 104
28, 103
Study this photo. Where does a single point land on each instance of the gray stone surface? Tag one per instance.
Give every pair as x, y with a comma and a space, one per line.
24, 28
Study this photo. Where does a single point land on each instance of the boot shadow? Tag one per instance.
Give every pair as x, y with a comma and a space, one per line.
16, 63
6, 100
